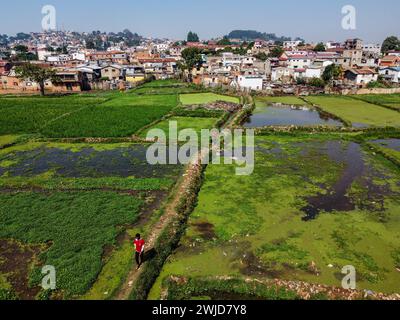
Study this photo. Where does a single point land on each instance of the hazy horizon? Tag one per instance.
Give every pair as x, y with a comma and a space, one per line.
313, 20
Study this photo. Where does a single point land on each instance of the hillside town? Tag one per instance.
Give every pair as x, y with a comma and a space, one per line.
101, 61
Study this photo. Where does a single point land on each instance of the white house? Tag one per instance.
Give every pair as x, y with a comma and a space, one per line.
61, 58
248, 60
299, 61
291, 44
361, 76
332, 45
374, 48
228, 58
250, 82
281, 74
391, 74
80, 56
313, 72
43, 54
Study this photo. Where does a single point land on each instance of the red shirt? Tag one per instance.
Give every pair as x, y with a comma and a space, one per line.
139, 243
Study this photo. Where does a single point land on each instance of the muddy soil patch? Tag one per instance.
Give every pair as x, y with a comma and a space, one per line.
206, 230
16, 260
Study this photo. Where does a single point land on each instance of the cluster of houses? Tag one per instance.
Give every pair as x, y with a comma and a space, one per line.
89, 69
361, 64
118, 67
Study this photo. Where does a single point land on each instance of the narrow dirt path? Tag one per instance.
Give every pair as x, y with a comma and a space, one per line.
170, 213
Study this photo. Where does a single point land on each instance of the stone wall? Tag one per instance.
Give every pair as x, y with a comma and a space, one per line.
371, 91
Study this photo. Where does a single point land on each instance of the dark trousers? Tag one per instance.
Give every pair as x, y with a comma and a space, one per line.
139, 258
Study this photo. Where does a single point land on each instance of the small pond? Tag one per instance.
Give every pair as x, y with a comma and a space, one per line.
286, 115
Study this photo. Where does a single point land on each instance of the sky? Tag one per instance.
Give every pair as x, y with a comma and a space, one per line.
313, 20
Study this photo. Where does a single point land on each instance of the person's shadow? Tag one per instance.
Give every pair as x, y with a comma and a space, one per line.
149, 255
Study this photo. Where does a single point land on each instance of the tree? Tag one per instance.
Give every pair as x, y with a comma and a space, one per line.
320, 47
301, 81
90, 44
23, 54
390, 43
331, 72
316, 82
36, 73
276, 52
192, 57
224, 42
192, 37
21, 49
261, 56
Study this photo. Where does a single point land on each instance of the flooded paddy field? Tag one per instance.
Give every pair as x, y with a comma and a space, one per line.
312, 206
389, 147
286, 115
393, 144
82, 161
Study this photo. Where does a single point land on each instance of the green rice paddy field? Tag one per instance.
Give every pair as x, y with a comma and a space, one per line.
358, 112
75, 116
203, 98
390, 100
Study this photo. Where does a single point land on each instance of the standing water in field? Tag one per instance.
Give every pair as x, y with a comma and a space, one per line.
87, 162
355, 171
286, 115
393, 144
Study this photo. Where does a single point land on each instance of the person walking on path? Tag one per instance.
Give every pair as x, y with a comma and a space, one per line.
139, 250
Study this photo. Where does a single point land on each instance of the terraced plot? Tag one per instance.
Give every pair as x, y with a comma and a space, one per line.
112, 115
204, 98
390, 100
119, 117
31, 114
312, 206
356, 112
